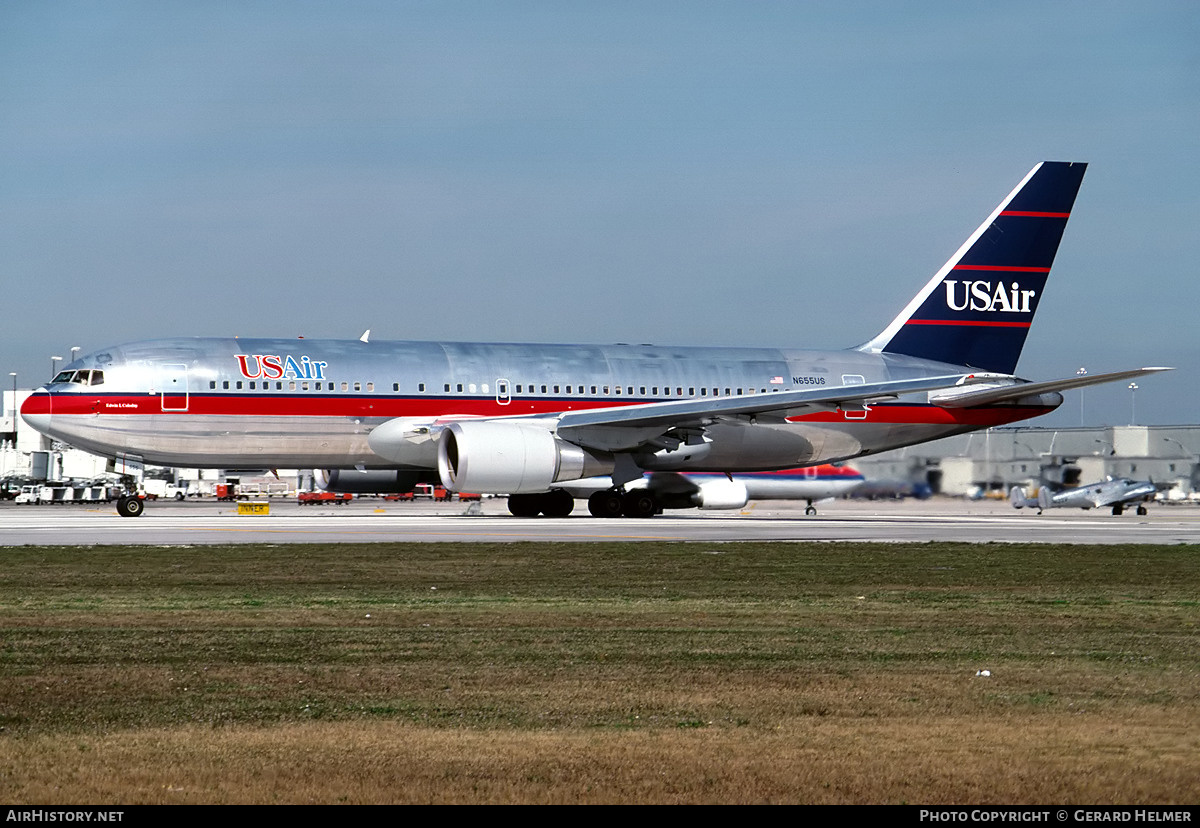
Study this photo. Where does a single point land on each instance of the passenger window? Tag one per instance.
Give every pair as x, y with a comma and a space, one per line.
358, 386
396, 386
303, 386
420, 387
370, 386
446, 387
238, 385
212, 384
346, 387
292, 386
225, 384
458, 388
471, 388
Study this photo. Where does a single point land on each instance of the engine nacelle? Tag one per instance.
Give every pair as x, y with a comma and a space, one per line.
353, 481
511, 458
721, 494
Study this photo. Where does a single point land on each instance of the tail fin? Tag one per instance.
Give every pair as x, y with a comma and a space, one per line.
977, 308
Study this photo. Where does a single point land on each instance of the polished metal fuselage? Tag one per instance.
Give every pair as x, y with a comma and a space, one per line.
298, 403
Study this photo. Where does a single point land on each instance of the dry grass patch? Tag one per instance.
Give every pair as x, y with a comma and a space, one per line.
600, 673
944, 760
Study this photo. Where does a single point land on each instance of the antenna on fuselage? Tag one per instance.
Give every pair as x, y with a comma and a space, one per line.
366, 335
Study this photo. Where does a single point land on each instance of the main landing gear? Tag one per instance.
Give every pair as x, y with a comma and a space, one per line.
1119, 509
551, 504
638, 503
610, 503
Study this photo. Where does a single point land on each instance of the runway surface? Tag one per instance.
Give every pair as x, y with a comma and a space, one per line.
370, 521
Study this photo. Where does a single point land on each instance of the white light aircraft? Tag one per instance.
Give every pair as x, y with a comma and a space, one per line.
528, 419
1117, 492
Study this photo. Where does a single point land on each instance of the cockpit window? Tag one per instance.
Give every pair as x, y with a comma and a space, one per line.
84, 377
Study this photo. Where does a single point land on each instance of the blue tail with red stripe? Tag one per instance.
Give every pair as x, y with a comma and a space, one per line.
977, 309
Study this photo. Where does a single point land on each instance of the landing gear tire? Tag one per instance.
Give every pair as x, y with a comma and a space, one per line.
1141, 510
606, 504
557, 503
639, 504
524, 505
1118, 509
130, 506
810, 510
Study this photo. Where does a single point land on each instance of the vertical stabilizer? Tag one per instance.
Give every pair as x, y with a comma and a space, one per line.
978, 307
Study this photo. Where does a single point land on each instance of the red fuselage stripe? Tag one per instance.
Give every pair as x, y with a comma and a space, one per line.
1007, 268
249, 406
970, 323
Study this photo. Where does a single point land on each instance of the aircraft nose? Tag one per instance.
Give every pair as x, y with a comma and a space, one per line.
36, 411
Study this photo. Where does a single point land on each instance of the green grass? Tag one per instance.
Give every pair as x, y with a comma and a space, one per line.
737, 641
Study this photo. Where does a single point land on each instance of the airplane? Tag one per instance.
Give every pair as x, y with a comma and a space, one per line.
1117, 492
711, 490
527, 419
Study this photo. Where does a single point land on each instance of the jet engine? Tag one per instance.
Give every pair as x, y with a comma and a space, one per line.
511, 458
721, 494
353, 481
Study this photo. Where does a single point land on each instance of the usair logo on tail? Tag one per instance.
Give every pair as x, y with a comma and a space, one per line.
981, 296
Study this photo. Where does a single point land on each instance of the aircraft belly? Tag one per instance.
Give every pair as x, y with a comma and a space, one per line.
215, 441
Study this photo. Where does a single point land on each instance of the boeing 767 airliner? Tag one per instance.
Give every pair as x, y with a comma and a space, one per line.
527, 420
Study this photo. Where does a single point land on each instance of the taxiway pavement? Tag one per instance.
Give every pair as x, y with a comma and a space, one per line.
369, 521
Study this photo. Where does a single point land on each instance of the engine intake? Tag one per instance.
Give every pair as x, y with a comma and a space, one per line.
511, 458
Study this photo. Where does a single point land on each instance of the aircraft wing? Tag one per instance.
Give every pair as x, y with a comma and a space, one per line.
614, 429
983, 393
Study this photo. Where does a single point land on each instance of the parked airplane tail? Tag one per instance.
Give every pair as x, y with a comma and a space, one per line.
977, 308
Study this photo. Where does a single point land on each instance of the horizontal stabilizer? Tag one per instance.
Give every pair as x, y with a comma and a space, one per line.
969, 396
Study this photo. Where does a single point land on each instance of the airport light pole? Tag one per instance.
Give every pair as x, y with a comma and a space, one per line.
54, 360
1081, 372
13, 374
74, 349
1182, 447
1133, 387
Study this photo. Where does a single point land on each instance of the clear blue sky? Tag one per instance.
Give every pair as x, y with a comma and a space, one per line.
783, 174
